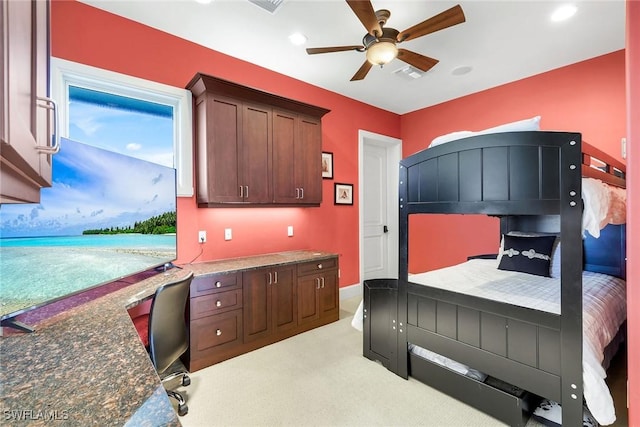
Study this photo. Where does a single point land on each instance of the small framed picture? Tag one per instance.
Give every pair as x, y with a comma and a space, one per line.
344, 194
327, 165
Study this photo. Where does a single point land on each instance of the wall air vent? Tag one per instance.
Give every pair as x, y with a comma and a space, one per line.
270, 6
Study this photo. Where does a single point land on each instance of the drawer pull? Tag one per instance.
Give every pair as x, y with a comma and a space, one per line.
319, 266
218, 284
218, 303
218, 332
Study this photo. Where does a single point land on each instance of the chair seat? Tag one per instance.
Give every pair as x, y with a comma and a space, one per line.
142, 326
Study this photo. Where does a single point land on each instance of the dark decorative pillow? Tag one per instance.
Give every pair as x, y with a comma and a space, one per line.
527, 254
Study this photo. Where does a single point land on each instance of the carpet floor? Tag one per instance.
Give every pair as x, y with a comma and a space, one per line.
320, 378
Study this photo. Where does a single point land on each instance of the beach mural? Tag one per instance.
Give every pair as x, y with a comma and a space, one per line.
106, 216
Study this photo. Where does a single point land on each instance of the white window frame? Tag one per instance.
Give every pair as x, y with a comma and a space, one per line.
67, 73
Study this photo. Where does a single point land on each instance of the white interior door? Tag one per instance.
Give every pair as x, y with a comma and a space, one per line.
379, 158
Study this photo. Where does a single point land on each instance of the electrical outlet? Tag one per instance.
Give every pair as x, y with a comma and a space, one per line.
290, 230
202, 236
227, 234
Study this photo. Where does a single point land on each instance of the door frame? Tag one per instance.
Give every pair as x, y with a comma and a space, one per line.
394, 151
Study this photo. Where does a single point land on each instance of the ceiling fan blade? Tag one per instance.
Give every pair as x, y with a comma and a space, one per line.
362, 72
314, 50
365, 13
421, 62
443, 20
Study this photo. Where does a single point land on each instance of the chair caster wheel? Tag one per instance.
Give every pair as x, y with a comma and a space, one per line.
186, 380
183, 410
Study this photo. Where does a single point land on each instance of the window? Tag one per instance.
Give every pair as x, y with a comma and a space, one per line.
76, 86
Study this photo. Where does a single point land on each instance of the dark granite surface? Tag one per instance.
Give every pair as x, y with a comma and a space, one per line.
86, 365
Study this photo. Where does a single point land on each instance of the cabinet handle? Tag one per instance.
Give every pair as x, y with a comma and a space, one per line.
317, 283
246, 188
322, 279
319, 266
218, 284
218, 332
218, 303
50, 104
302, 192
297, 193
241, 192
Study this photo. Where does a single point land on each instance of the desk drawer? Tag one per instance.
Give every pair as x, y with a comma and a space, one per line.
215, 333
312, 267
203, 285
219, 302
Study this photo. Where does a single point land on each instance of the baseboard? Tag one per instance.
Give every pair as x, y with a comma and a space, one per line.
351, 291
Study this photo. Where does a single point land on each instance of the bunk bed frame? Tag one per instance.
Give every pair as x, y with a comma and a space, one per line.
532, 181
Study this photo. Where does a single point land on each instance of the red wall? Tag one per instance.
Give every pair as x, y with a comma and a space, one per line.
633, 208
91, 36
588, 97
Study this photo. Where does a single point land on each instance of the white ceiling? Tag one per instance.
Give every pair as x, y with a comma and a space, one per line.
503, 41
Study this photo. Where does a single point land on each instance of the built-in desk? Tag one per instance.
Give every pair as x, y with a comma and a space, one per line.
87, 365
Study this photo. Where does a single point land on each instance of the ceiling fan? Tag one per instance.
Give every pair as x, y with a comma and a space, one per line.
380, 42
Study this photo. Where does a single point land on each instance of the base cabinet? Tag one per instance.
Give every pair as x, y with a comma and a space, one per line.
237, 312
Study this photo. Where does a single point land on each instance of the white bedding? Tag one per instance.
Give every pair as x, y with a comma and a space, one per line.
604, 311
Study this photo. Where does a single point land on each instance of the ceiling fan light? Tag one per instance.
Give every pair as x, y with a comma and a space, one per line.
382, 53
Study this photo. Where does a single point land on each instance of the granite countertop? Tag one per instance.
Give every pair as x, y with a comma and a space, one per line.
87, 366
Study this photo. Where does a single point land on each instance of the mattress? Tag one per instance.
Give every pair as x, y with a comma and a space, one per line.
604, 311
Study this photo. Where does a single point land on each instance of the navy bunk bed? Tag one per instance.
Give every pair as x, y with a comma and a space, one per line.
532, 181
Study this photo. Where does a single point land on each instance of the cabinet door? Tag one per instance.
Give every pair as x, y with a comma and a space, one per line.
256, 298
24, 124
329, 297
256, 154
283, 297
308, 304
218, 135
285, 130
309, 160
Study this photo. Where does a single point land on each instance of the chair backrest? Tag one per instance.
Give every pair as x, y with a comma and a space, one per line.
168, 335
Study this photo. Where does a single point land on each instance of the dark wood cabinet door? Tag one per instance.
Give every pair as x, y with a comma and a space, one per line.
308, 304
218, 138
284, 301
256, 297
309, 160
329, 294
256, 154
285, 131
24, 123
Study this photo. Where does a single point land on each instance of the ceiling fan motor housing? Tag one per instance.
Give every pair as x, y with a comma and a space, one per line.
388, 35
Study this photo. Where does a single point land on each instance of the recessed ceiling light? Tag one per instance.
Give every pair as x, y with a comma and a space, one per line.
298, 39
459, 71
204, 1
564, 12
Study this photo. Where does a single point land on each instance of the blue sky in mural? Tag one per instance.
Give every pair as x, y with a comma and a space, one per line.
93, 189
120, 173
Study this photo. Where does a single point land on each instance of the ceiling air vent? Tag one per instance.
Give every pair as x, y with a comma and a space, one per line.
270, 6
409, 73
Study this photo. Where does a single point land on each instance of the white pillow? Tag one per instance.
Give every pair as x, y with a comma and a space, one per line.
519, 126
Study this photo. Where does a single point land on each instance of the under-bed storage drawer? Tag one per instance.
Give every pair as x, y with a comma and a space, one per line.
512, 409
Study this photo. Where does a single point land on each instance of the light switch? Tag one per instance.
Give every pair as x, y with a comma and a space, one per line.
227, 234
290, 230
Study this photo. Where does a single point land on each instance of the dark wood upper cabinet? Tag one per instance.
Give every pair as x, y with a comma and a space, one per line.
255, 148
25, 122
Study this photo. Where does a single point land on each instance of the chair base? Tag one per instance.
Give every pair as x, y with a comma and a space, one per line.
171, 375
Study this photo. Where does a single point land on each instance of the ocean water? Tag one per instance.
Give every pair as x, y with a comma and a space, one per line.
35, 270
